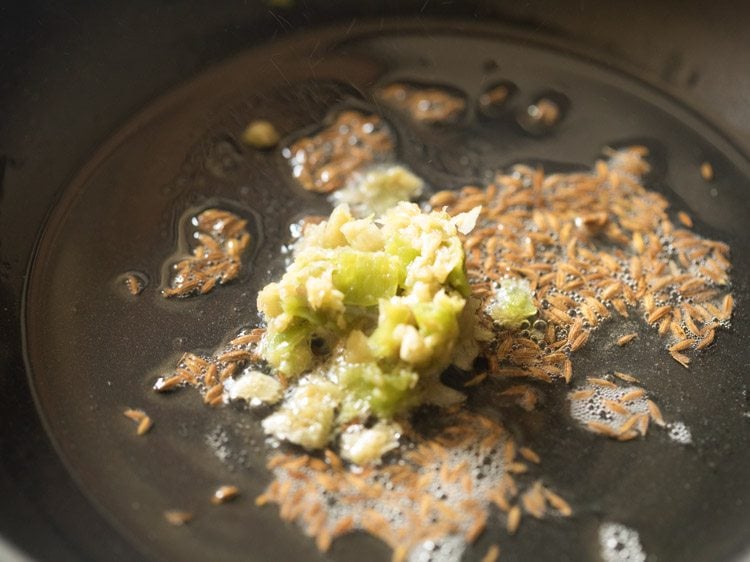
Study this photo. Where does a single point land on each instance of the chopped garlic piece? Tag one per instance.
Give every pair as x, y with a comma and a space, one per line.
321, 294
363, 446
465, 222
306, 416
413, 347
379, 189
255, 387
363, 235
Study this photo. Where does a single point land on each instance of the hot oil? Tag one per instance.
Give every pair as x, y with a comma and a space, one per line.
188, 233
88, 345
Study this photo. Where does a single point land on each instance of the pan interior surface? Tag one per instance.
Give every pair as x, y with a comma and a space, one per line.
94, 350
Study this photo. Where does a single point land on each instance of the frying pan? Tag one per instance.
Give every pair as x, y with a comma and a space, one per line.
84, 83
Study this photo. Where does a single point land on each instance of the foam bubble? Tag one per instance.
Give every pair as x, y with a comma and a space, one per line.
595, 408
446, 550
619, 543
218, 441
462, 474
680, 433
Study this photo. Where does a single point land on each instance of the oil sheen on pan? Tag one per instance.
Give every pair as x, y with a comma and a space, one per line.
497, 304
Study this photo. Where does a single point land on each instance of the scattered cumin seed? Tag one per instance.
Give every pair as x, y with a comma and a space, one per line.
681, 345
236, 355
681, 358
133, 284
334, 460
568, 371
707, 171
224, 494
602, 428
655, 413
517, 468
556, 501
177, 517
476, 528
534, 502
213, 393
210, 374
144, 426
474, 381
633, 395
727, 305
626, 339
643, 424
627, 377
658, 313
584, 394
400, 553
616, 407
343, 526
253, 336
685, 219
580, 341
628, 435
514, 520
442, 198
529, 455
170, 383
135, 415
707, 340
139, 416
604, 383
629, 424
492, 554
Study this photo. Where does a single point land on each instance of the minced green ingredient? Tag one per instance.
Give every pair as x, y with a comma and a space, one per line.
365, 319
513, 303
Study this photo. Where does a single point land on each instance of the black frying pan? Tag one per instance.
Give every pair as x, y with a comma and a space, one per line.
73, 74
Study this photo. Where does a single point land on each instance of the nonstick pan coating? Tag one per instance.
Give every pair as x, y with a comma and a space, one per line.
43, 503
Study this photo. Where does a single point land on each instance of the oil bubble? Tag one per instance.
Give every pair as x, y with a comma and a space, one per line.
619, 543
679, 433
544, 113
223, 157
132, 282
493, 101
